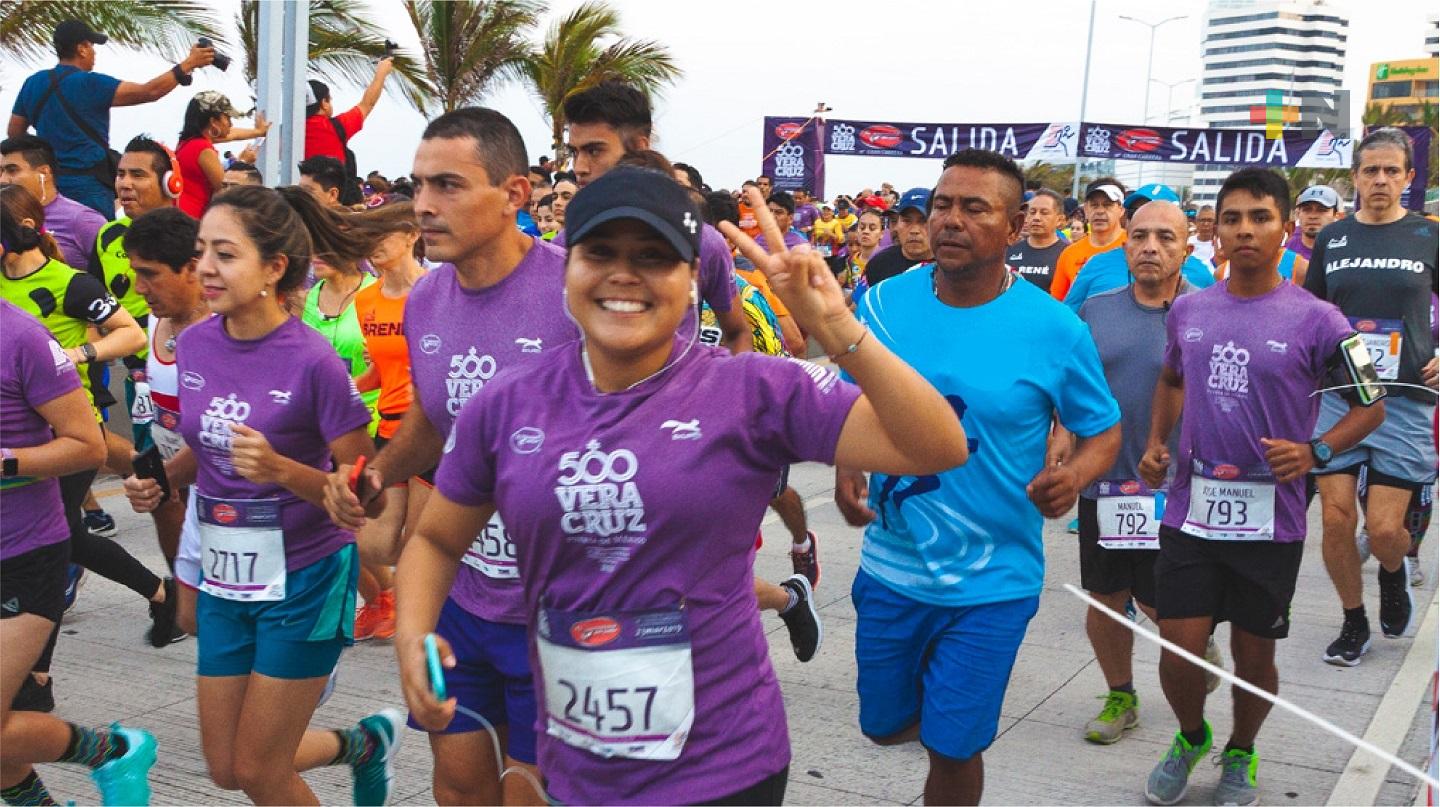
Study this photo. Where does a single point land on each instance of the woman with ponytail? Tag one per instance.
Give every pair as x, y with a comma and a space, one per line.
266, 405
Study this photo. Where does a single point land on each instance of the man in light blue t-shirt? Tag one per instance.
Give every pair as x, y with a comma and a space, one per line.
952, 565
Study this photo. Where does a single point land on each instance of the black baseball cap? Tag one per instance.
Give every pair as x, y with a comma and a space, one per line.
70, 33
647, 196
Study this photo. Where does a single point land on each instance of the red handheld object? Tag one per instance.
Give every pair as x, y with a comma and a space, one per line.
355, 472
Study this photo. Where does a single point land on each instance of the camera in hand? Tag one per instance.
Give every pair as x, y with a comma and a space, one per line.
391, 49
221, 60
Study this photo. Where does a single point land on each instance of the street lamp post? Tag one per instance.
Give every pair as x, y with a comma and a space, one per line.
1084, 96
1150, 62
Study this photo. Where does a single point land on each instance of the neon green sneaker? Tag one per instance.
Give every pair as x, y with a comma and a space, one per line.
1120, 713
1237, 778
1170, 778
126, 780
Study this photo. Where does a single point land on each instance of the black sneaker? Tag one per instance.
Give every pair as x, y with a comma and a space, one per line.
162, 619
1396, 606
808, 563
1354, 641
802, 620
100, 523
34, 697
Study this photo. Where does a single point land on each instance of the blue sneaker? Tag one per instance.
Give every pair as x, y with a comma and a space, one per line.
127, 780
375, 777
74, 579
1237, 778
1170, 778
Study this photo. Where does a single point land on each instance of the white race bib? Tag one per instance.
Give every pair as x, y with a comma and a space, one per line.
492, 553
242, 549
165, 432
1228, 504
1129, 514
618, 684
142, 411
1383, 338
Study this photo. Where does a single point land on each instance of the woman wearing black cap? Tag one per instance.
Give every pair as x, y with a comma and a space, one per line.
653, 670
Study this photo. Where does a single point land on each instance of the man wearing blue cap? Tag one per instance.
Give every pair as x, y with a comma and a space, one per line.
1109, 270
912, 240
1315, 207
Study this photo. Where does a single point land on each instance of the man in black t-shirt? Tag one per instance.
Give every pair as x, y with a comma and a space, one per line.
1034, 256
911, 236
1380, 267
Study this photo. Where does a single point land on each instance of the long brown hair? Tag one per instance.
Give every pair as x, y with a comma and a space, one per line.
16, 205
274, 226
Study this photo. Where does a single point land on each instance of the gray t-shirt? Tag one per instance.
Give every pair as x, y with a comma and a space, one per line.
1381, 276
1035, 264
1131, 340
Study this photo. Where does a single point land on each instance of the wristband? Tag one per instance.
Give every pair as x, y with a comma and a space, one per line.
9, 464
88, 351
181, 77
853, 346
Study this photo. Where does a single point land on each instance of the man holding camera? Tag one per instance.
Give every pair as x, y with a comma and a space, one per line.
69, 106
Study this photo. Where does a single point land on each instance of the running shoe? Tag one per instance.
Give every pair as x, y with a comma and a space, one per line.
1396, 605
329, 685
163, 630
802, 620
1362, 545
1120, 713
1170, 778
808, 562
1131, 612
126, 780
99, 522
74, 579
1417, 574
1237, 778
1073, 527
376, 620
1213, 655
1353, 643
375, 777
34, 697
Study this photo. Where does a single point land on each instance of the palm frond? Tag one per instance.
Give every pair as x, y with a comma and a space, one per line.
471, 45
166, 28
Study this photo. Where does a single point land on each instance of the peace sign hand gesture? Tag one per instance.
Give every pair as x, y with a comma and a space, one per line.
801, 278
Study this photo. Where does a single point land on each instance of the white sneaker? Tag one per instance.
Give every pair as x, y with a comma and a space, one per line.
1417, 574
1362, 545
1212, 655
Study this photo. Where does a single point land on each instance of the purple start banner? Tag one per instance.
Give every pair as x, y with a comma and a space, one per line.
1295, 148
793, 157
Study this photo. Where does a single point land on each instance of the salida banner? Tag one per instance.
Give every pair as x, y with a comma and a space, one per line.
1020, 141
1295, 148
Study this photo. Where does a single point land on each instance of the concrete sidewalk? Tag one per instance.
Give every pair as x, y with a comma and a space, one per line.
105, 671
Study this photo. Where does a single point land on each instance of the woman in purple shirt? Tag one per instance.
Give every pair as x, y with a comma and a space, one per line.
47, 430
650, 663
265, 404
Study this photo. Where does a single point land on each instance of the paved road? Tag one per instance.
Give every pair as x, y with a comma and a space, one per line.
105, 672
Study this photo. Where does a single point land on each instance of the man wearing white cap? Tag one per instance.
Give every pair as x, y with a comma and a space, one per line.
1315, 207
1104, 200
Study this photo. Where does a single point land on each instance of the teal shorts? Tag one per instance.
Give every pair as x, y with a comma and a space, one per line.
298, 637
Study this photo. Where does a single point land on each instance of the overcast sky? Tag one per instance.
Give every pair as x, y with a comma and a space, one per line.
944, 62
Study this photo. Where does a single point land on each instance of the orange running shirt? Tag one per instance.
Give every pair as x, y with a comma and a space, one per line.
1074, 257
382, 323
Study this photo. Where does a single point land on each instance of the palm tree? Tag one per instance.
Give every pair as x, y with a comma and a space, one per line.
469, 44
1055, 177
166, 28
574, 57
344, 45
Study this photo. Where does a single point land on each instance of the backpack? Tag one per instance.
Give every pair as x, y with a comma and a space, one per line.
350, 192
764, 326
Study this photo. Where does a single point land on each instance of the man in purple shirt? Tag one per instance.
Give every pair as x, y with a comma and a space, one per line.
1243, 359
805, 211
1315, 207
29, 162
782, 207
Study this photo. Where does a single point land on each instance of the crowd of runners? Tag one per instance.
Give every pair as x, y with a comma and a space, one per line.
460, 413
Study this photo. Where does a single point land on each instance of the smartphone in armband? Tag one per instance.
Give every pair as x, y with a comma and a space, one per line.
149, 465
437, 671
1361, 368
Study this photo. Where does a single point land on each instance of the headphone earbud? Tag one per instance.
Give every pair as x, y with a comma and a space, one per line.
694, 293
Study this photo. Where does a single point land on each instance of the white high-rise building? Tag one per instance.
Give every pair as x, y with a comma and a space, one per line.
1254, 46
1432, 36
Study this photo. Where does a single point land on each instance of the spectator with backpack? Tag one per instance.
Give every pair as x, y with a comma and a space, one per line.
69, 106
328, 135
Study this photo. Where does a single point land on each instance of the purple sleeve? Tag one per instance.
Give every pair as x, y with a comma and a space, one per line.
337, 413
466, 474
44, 370
1172, 344
799, 408
89, 223
717, 270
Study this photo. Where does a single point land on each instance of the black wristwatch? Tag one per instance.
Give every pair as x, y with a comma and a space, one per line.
1321, 451
181, 77
10, 463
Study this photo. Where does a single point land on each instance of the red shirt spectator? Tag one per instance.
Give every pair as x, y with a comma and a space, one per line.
321, 139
